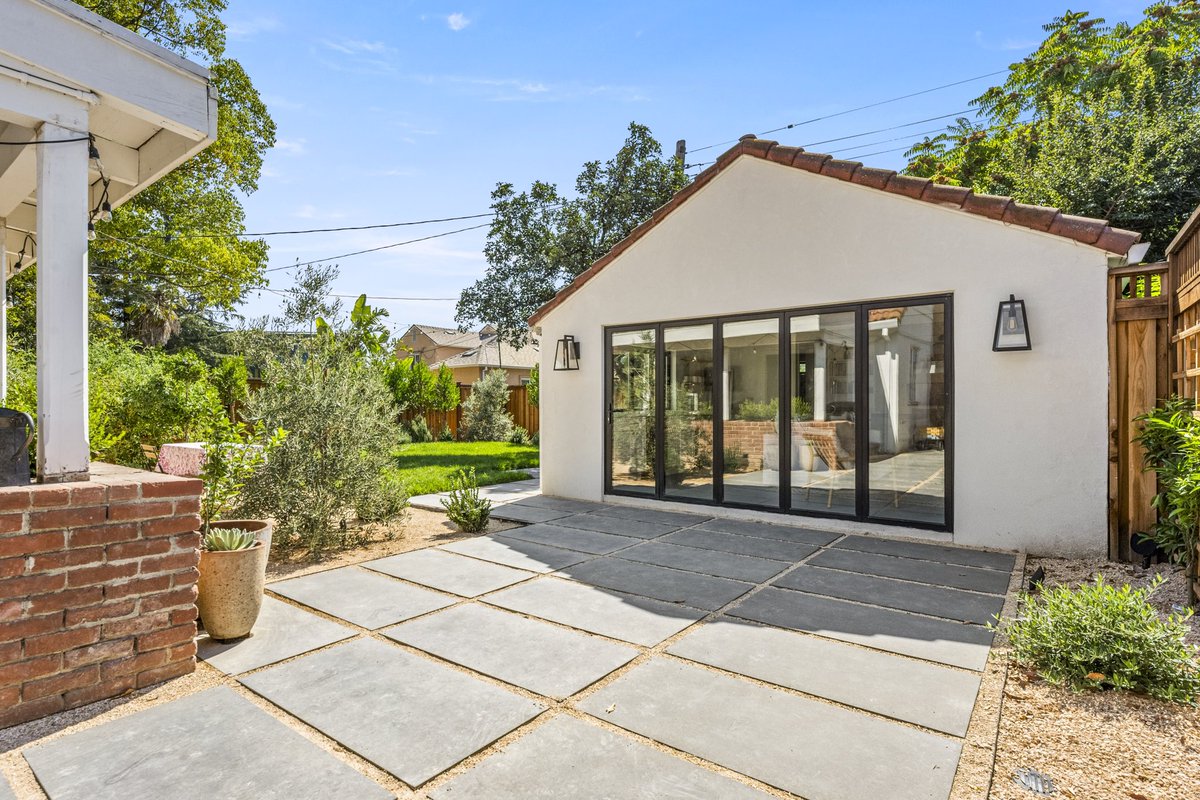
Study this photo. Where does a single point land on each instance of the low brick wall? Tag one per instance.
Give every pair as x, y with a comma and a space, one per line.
97, 588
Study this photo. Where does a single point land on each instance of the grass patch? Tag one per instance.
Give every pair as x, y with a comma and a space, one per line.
429, 467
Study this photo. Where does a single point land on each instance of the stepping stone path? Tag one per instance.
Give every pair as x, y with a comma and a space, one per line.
789, 661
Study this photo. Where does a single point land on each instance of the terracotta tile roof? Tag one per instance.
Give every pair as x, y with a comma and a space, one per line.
1093, 232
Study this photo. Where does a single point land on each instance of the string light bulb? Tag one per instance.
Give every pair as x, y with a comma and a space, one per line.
91, 233
93, 151
106, 211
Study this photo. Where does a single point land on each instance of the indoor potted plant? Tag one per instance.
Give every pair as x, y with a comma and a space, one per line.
233, 552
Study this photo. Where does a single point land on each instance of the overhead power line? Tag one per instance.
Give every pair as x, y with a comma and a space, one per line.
377, 249
310, 230
859, 108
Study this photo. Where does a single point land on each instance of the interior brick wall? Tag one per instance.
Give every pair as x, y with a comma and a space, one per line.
97, 588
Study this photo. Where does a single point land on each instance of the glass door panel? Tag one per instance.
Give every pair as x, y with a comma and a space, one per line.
907, 410
631, 411
688, 412
750, 412
822, 393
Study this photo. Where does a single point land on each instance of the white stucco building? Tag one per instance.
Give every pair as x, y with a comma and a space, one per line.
797, 335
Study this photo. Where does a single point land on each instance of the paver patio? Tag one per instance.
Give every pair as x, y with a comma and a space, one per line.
611, 652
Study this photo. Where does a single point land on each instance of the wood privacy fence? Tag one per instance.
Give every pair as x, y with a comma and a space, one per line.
524, 413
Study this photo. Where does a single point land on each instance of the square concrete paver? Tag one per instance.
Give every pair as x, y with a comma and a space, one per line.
670, 585
708, 562
282, 631
677, 518
6, 792
592, 542
765, 530
936, 601
924, 694
617, 525
930, 552
467, 577
538, 656
407, 714
938, 574
560, 504
356, 595
776, 549
522, 513
811, 748
516, 553
621, 616
213, 744
569, 758
884, 629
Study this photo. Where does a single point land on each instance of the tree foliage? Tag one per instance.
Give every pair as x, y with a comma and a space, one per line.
1101, 121
541, 239
485, 415
147, 276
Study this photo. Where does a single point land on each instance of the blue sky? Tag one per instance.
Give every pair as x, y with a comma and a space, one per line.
395, 111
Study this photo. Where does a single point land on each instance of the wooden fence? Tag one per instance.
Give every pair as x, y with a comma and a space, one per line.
1139, 311
524, 413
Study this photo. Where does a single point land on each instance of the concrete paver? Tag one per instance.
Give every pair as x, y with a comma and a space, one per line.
742, 545
929, 552
449, 572
516, 553
365, 598
618, 525
282, 631
765, 530
708, 562
670, 585
953, 575
592, 542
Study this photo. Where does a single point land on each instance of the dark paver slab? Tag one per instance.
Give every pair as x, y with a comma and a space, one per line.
742, 545
409, 715
621, 616
973, 578
592, 542
567, 504
541, 657
765, 530
925, 694
811, 748
569, 758
282, 631
930, 552
516, 553
937, 601
364, 598
672, 585
708, 562
522, 513
896, 631
617, 525
654, 515
467, 577
213, 744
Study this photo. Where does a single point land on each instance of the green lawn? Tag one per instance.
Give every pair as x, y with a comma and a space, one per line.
427, 468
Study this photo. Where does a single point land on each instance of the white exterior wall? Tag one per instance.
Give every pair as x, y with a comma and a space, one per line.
1030, 454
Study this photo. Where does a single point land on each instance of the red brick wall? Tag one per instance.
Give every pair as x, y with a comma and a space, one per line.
97, 588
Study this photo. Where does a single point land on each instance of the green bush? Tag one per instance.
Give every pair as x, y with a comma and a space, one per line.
1170, 436
464, 506
446, 434
1102, 636
753, 410
418, 430
485, 413
519, 436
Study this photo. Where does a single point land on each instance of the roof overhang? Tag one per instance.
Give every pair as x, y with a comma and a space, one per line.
148, 108
1091, 232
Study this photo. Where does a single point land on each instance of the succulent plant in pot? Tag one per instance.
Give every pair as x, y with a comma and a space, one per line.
234, 552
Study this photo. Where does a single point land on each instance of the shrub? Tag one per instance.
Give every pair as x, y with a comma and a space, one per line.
231, 457
1170, 436
336, 459
446, 434
418, 430
1102, 636
753, 410
464, 506
519, 436
536, 439
485, 413
232, 382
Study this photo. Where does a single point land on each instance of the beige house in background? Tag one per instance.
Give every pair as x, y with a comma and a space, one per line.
469, 353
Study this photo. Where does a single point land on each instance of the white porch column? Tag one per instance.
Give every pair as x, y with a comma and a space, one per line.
62, 379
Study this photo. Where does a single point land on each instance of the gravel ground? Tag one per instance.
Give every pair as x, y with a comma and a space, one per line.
1098, 745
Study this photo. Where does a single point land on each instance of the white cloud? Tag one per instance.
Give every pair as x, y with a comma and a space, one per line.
353, 47
293, 147
457, 21
248, 28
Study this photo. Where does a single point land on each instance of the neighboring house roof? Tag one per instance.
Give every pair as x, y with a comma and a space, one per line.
452, 337
494, 354
1093, 232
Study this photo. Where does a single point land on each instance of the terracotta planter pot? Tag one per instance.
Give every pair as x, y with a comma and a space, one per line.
231, 583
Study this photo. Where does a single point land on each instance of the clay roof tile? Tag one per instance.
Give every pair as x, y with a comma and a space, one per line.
987, 205
1040, 218
1081, 229
907, 185
810, 161
873, 177
944, 194
842, 170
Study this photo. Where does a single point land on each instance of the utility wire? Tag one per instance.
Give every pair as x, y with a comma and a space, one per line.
883, 130
310, 230
377, 249
859, 108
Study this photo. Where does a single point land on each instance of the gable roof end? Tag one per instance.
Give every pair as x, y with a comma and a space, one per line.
1092, 232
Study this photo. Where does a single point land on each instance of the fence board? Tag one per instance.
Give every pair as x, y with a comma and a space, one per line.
523, 412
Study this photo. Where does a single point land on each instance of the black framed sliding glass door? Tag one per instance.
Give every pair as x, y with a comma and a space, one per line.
839, 411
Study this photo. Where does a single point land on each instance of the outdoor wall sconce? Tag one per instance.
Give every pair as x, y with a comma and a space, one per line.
1012, 326
566, 354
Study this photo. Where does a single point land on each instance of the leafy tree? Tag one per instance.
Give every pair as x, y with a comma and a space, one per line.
147, 277
446, 395
1099, 121
541, 239
417, 388
485, 413
232, 381
534, 387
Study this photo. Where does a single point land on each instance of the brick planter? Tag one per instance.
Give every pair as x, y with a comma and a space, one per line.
97, 588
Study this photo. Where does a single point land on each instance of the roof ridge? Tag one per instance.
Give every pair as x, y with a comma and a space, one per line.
1085, 230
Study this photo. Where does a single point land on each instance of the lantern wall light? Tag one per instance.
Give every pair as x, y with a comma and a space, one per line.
566, 354
1012, 326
